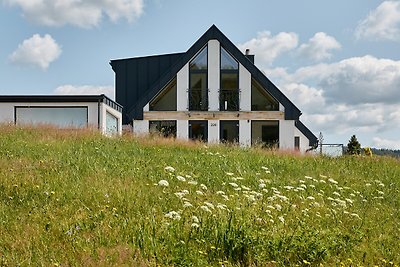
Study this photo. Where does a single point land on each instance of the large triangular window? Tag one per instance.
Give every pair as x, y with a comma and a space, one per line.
166, 99
227, 61
261, 100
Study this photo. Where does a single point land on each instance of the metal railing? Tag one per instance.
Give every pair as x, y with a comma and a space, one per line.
229, 99
198, 99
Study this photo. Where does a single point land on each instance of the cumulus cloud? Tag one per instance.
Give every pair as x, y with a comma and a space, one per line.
80, 13
85, 90
308, 99
267, 47
318, 47
386, 143
36, 51
381, 23
356, 80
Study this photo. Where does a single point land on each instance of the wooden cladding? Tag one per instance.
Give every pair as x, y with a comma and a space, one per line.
213, 115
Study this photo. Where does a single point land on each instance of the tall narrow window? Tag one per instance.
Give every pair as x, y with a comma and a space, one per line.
198, 89
229, 84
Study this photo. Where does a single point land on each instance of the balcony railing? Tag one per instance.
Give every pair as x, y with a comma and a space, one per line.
198, 99
229, 100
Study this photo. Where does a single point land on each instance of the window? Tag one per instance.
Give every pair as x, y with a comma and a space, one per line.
297, 142
163, 128
198, 88
229, 132
261, 100
166, 99
229, 84
198, 130
111, 124
265, 133
57, 116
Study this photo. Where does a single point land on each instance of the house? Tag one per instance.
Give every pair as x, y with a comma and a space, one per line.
212, 92
64, 111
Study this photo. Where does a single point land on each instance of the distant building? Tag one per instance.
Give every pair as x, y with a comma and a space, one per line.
211, 92
64, 111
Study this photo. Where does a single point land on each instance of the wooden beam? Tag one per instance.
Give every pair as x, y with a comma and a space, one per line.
213, 115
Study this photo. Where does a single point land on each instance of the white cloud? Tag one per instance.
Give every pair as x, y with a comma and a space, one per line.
306, 98
386, 143
381, 23
86, 14
37, 51
355, 80
318, 47
267, 47
85, 90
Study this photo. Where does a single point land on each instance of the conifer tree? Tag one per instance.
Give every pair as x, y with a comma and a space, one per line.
353, 147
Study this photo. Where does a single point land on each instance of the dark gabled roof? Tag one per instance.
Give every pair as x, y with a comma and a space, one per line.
135, 110
60, 99
311, 137
135, 77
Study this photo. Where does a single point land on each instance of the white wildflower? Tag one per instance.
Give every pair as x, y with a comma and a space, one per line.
336, 194
262, 185
181, 178
225, 197
281, 219
230, 173
163, 183
187, 204
233, 184
203, 187
205, 208
312, 186
323, 176
288, 187
246, 188
300, 189
310, 198
192, 182
173, 215
302, 181
380, 192
368, 184
278, 207
268, 211
349, 200
169, 168
332, 181
195, 219
220, 193
304, 186
210, 205
308, 177
195, 225
322, 181
221, 206
355, 215
264, 168
199, 193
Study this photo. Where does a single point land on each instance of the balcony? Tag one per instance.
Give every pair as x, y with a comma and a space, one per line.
198, 99
229, 100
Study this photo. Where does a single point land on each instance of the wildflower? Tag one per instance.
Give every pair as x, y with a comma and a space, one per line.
192, 182
349, 200
204, 187
355, 215
382, 184
332, 181
187, 204
310, 198
246, 188
195, 219
308, 177
322, 181
181, 178
264, 168
173, 215
195, 225
336, 194
368, 184
220, 193
233, 184
380, 192
205, 208
163, 183
278, 207
288, 187
261, 185
199, 193
229, 173
281, 219
169, 169
221, 206
312, 186
210, 205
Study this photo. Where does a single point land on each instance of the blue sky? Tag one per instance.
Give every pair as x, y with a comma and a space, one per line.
338, 61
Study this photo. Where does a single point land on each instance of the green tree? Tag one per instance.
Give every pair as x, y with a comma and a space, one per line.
353, 147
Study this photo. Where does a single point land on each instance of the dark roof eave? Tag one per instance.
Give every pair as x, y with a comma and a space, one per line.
313, 140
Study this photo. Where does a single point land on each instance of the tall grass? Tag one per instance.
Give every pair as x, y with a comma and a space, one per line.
78, 198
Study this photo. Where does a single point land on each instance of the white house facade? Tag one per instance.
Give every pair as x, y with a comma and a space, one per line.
212, 92
64, 111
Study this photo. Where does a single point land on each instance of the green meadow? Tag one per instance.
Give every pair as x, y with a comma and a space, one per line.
76, 198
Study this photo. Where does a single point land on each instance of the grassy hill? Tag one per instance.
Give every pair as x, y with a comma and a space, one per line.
76, 198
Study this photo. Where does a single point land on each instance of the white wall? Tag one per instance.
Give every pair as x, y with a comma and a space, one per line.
141, 126
304, 142
182, 129
245, 133
286, 134
182, 85
213, 131
245, 88
213, 74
